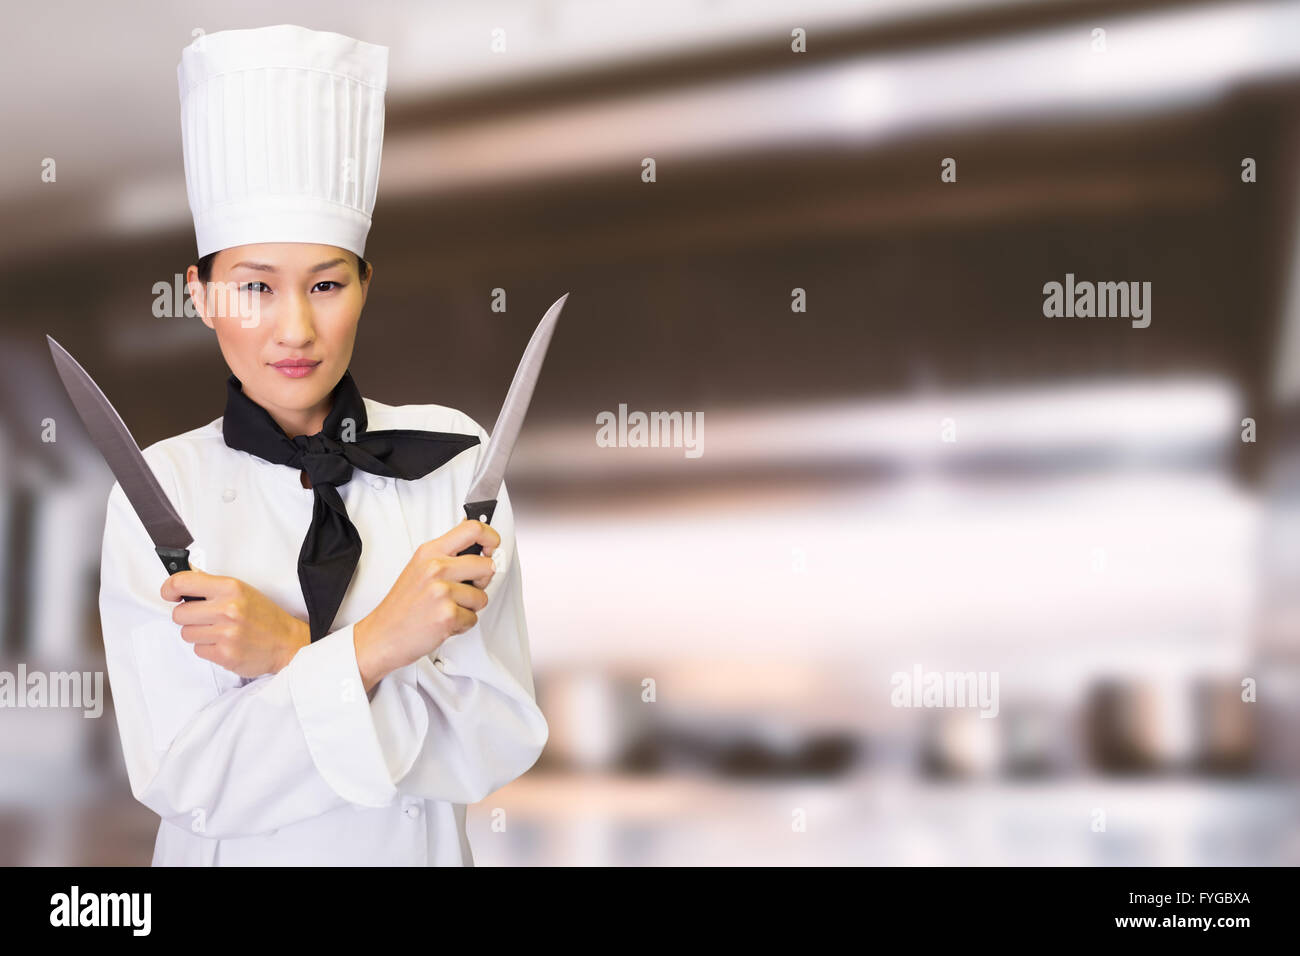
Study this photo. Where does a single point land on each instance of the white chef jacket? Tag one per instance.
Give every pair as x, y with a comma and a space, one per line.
301, 767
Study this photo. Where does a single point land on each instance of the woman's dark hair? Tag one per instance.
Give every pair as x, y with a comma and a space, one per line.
205, 267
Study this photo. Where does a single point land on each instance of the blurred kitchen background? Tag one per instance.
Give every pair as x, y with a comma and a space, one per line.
1099, 535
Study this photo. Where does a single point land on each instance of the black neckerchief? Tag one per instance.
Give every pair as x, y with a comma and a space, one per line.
332, 547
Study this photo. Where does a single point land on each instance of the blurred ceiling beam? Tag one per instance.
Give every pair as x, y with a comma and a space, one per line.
1014, 431
859, 102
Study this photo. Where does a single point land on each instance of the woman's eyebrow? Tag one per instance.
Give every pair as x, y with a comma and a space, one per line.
322, 266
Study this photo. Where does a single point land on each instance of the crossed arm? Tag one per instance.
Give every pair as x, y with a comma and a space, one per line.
240, 629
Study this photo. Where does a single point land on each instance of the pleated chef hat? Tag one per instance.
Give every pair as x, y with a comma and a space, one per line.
282, 129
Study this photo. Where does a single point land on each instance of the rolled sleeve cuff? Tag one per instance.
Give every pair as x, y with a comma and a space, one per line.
359, 746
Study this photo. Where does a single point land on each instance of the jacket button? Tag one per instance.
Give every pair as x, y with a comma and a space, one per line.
228, 495
412, 810
378, 483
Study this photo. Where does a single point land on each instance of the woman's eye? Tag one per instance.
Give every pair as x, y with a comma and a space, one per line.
329, 282
249, 285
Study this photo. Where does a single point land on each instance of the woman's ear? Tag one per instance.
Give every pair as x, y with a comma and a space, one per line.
365, 283
195, 288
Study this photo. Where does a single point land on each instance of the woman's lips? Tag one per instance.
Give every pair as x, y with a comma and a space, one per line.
295, 368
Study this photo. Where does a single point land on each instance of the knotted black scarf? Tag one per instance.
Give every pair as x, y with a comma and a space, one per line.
332, 547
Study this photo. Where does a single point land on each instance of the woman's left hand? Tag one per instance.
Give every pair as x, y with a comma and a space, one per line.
237, 626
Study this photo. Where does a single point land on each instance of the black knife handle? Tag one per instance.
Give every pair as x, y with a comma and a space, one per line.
177, 559
478, 511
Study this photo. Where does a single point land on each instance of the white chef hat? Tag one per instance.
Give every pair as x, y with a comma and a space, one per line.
282, 129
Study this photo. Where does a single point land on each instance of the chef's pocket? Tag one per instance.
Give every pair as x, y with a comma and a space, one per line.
177, 683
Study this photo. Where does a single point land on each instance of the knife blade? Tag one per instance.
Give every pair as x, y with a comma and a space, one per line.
140, 485
481, 501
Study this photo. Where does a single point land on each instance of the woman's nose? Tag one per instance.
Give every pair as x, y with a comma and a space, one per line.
294, 328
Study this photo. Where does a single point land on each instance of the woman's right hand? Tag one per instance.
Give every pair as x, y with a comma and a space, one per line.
428, 603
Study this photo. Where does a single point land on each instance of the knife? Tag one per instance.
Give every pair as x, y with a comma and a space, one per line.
113, 439
481, 501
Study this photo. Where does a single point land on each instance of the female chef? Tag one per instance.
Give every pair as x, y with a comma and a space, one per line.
348, 683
